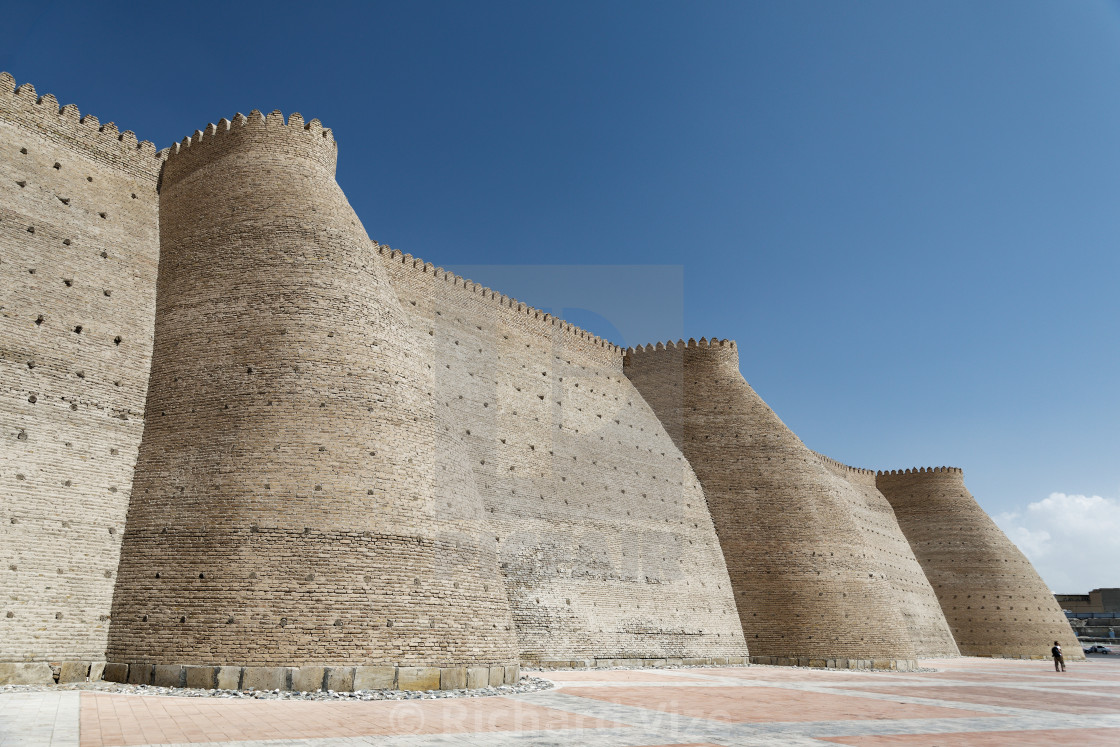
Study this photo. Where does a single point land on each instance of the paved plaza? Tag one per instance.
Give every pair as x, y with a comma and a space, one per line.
966, 702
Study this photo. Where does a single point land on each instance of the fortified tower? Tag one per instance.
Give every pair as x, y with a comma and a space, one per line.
916, 600
809, 581
335, 465
287, 511
994, 600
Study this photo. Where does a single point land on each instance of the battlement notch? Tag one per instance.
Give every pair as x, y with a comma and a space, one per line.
845, 467
679, 345
920, 470
518, 307
269, 135
65, 126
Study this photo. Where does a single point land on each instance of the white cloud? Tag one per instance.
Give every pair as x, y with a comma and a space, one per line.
1072, 540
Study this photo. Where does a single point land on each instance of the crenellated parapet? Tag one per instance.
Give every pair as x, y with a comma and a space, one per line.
920, 470
291, 426
67, 127
344, 466
421, 267
268, 135
846, 468
679, 345
994, 600
79, 244
808, 575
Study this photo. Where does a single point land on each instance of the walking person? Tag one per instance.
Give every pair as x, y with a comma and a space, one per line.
1059, 660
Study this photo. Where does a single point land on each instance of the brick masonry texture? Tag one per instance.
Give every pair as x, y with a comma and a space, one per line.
331, 462
994, 600
817, 570
606, 544
287, 508
78, 253
917, 602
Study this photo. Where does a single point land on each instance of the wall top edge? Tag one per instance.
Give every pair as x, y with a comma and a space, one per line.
438, 273
274, 123
921, 470
66, 125
703, 342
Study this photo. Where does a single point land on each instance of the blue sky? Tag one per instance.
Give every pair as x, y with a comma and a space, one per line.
905, 212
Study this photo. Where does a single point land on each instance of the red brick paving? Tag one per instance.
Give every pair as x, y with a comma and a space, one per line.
117, 720
1062, 702
1041, 737
620, 675
765, 695
992, 677
787, 674
763, 704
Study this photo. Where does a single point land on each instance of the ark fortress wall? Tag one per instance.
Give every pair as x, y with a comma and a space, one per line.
343, 465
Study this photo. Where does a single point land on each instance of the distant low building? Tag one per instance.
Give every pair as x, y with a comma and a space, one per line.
1097, 600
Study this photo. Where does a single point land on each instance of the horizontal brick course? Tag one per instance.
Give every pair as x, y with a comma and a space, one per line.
343, 467
995, 602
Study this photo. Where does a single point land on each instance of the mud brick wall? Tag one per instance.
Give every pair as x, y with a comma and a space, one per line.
916, 600
808, 579
353, 458
287, 507
78, 254
994, 600
605, 541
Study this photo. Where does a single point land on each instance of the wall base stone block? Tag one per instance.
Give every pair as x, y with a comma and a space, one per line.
375, 678
513, 674
308, 679
168, 675
497, 676
421, 678
452, 678
477, 677
229, 678
201, 678
96, 671
140, 674
340, 679
73, 671
25, 673
266, 678
115, 672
